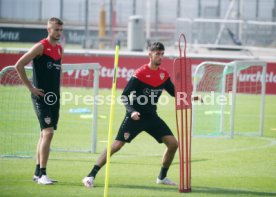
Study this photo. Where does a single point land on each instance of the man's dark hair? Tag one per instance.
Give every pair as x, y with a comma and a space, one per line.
156, 46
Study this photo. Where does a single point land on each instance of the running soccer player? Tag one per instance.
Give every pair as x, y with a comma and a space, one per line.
46, 58
145, 87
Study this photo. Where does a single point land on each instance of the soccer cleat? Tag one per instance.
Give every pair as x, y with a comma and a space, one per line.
88, 181
35, 179
44, 180
165, 181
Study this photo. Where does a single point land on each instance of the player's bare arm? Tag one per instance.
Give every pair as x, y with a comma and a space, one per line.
35, 51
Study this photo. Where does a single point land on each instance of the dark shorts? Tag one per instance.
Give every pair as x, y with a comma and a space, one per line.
47, 115
152, 124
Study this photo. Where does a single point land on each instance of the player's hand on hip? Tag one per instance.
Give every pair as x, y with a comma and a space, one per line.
135, 115
37, 92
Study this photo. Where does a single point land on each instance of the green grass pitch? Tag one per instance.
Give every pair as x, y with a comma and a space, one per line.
243, 166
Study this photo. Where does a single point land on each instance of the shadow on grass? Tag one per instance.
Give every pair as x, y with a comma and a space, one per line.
193, 161
144, 187
197, 191
122, 186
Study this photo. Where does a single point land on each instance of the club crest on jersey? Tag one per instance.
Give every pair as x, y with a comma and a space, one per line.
162, 76
126, 135
47, 120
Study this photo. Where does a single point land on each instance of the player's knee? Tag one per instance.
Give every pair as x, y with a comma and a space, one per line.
47, 133
173, 146
117, 145
117, 148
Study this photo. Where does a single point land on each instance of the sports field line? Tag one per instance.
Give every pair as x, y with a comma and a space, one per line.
240, 191
271, 143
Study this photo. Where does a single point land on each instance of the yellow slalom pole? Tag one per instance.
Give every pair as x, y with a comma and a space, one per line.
113, 99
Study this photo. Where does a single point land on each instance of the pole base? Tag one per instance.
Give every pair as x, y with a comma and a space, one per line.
185, 190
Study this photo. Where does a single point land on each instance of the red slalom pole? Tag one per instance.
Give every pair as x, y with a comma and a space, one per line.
183, 86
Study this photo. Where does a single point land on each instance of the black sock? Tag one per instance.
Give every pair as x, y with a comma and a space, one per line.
42, 172
37, 170
163, 173
94, 171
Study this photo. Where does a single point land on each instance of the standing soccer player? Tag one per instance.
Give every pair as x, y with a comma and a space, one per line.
145, 87
46, 58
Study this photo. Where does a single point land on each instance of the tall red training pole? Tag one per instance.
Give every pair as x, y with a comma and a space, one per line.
183, 107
